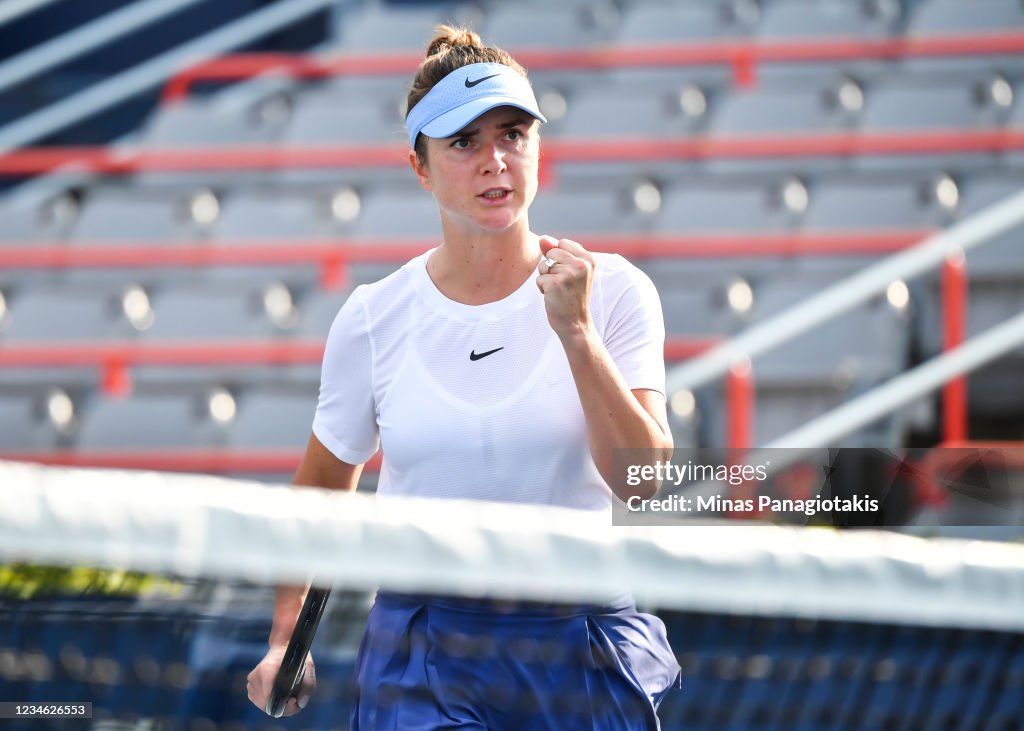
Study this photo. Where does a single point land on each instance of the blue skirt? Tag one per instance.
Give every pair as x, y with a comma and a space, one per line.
430, 663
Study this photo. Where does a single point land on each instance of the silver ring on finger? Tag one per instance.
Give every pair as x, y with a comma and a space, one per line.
548, 263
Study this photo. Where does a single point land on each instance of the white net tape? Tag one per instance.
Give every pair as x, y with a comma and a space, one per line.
198, 525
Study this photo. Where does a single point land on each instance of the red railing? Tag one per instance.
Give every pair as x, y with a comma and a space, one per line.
114, 360
126, 161
742, 57
340, 252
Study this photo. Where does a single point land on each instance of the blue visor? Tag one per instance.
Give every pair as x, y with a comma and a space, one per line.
465, 94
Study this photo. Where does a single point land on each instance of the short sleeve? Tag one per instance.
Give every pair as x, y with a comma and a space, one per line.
345, 420
635, 328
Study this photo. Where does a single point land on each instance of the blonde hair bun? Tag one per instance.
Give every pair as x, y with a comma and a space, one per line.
447, 37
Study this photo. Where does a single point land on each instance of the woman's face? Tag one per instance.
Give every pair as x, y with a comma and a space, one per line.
485, 175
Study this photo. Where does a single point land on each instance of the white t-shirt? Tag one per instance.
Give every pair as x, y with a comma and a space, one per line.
477, 401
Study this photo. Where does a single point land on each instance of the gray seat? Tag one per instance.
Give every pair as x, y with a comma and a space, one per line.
25, 221
907, 105
56, 314
197, 122
280, 216
955, 17
398, 214
149, 422
273, 420
697, 312
620, 110
787, 111
112, 214
818, 19
917, 105
779, 110
188, 314
372, 27
325, 118
680, 22
564, 213
549, 25
137, 216
24, 426
871, 203
694, 293
863, 346
707, 208
272, 214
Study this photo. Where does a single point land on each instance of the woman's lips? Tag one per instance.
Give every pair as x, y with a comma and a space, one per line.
495, 195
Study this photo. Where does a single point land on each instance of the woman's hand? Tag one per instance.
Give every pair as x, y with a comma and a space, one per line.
261, 680
566, 285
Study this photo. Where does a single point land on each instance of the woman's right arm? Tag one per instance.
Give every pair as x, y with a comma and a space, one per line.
319, 468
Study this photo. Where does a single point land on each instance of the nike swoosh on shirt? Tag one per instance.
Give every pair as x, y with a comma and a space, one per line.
471, 84
473, 355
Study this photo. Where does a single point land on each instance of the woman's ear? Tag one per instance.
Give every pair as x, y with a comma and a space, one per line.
422, 171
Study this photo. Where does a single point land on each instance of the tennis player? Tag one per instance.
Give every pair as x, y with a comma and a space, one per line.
502, 365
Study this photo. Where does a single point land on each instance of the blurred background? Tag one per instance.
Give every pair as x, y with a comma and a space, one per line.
189, 189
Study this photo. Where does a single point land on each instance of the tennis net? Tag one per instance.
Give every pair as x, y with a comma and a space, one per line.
148, 597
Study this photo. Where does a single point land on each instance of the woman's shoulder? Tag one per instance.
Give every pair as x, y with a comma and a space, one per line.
616, 272
392, 286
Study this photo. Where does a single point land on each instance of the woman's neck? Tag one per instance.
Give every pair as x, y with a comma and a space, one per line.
475, 269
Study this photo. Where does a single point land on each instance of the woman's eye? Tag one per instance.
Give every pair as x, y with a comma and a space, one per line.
461, 144
514, 134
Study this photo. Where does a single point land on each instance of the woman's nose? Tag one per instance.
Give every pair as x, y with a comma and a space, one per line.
494, 159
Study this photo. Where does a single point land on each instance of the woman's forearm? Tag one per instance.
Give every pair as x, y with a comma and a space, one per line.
616, 419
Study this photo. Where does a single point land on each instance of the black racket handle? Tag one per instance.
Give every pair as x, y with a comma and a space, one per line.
293, 666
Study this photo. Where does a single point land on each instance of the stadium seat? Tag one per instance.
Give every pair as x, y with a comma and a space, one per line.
189, 314
694, 294
863, 346
273, 420
57, 314
907, 106
629, 111
149, 422
388, 213
784, 109
27, 221
779, 110
329, 118
274, 214
372, 27
115, 214
953, 17
668, 23
23, 424
549, 25
564, 213
196, 123
820, 19
872, 203
722, 208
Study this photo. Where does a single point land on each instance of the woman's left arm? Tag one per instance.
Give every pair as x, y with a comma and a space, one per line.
617, 417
